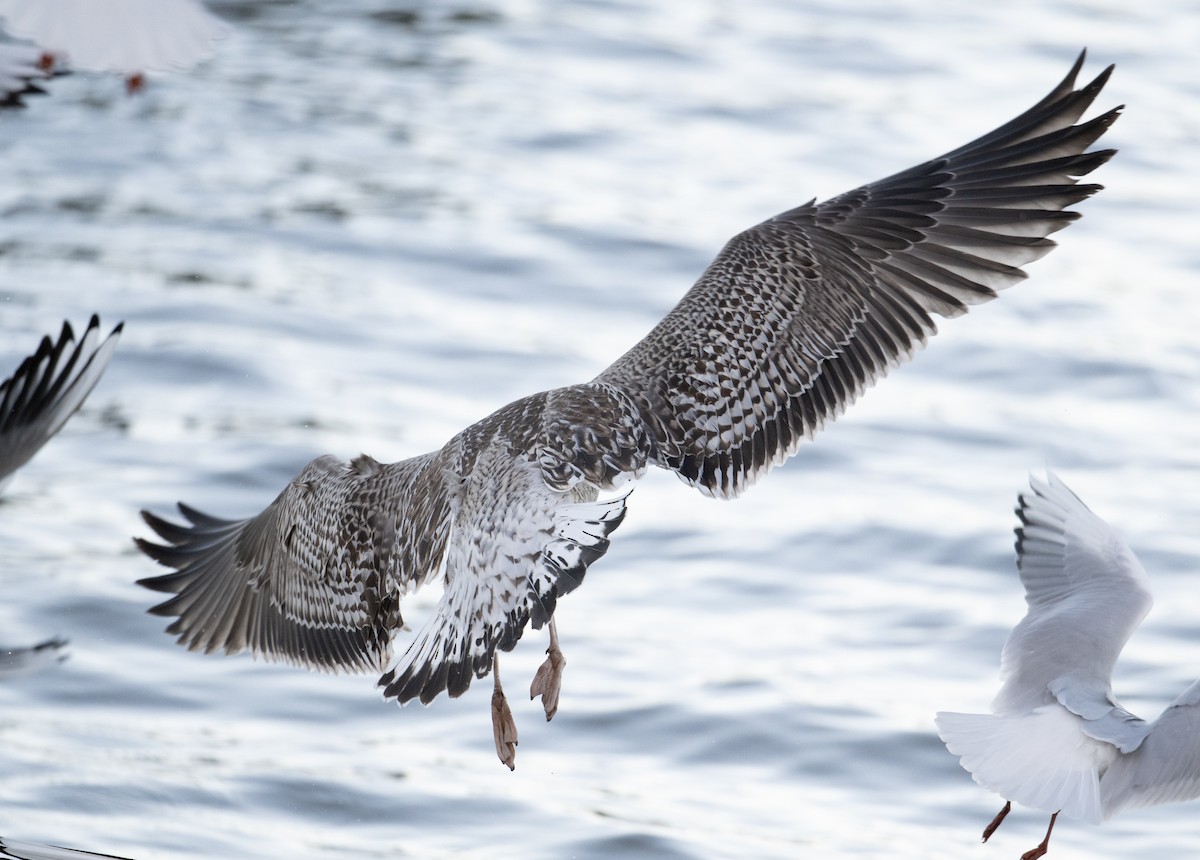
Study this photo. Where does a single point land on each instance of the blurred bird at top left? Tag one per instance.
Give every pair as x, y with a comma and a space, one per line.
128, 37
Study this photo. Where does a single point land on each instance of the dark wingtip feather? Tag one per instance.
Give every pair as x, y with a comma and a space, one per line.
167, 583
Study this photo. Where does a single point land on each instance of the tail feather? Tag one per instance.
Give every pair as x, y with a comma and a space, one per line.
1040, 760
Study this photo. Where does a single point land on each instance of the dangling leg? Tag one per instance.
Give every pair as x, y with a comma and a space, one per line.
548, 680
991, 828
1044, 845
504, 730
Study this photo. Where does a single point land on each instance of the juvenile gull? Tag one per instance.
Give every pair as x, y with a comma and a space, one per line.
791, 322
1057, 739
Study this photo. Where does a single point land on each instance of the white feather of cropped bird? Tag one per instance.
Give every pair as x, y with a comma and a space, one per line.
1057, 739
794, 319
124, 36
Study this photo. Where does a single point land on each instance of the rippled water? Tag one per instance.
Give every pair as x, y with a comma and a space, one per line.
359, 228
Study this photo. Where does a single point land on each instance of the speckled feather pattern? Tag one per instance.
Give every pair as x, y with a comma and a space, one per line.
800, 314
786, 328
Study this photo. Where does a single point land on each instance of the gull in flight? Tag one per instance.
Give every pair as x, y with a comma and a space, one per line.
792, 321
35, 402
1057, 739
124, 36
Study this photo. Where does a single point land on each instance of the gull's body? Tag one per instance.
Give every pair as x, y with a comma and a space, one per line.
1057, 738
794, 319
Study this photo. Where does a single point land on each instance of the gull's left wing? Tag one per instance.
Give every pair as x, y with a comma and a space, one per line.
800, 314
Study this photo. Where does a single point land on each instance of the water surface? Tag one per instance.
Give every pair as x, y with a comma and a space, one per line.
361, 227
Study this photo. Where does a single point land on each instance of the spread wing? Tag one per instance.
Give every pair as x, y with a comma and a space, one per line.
316, 578
505, 512
800, 314
47, 388
1087, 593
1165, 768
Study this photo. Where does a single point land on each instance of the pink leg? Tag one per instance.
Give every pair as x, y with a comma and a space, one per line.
991, 828
548, 681
504, 729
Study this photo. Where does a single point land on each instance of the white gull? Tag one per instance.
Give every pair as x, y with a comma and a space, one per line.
1057, 739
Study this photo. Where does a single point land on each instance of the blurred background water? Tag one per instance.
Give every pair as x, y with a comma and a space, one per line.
363, 225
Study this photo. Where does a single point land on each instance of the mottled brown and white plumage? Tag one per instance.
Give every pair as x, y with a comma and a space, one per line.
790, 323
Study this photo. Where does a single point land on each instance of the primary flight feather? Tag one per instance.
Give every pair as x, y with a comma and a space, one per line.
789, 324
46, 389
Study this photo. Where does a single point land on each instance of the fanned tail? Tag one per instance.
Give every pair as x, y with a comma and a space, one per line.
1040, 760
457, 644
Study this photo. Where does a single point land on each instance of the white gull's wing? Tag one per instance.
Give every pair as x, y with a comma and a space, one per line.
316, 578
1086, 593
797, 316
1166, 767
117, 35
46, 389
19, 661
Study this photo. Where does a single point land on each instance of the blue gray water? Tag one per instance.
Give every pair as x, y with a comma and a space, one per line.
361, 229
